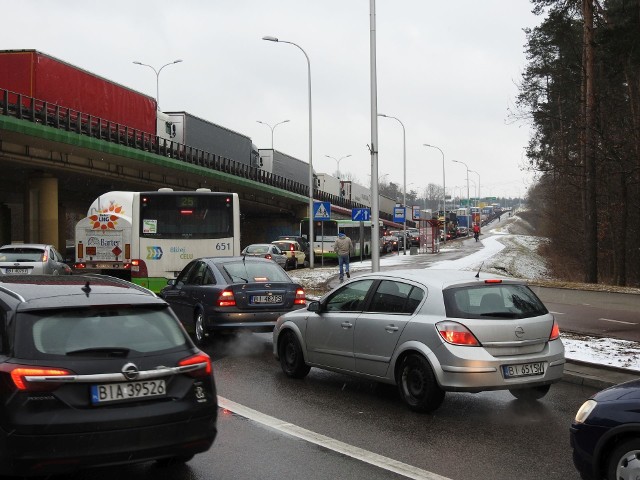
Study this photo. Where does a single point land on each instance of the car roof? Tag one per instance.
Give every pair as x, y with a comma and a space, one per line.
26, 245
239, 258
441, 279
52, 291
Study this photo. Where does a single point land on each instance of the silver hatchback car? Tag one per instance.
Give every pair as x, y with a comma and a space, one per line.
32, 259
428, 332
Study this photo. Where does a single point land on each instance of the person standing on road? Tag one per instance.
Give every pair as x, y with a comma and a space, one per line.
476, 231
344, 248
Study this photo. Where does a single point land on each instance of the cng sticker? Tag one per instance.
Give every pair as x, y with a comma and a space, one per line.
154, 253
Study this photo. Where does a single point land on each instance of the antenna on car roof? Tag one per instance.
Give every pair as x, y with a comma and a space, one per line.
478, 274
87, 288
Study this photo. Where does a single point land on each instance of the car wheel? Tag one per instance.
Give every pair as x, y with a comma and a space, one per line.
291, 356
624, 461
200, 332
177, 460
531, 393
418, 386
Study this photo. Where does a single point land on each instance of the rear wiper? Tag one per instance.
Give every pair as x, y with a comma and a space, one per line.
104, 351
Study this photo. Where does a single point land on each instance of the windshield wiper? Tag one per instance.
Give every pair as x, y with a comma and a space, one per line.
105, 351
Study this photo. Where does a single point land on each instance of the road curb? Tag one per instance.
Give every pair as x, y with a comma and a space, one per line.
596, 376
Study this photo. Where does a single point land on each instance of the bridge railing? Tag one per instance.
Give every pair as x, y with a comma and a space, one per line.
39, 111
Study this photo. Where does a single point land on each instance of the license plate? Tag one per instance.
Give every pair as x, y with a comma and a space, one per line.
17, 270
523, 370
266, 299
114, 392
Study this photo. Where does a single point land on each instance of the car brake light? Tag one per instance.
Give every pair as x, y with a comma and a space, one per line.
268, 256
44, 257
291, 248
20, 374
495, 280
457, 334
196, 359
300, 299
555, 331
226, 299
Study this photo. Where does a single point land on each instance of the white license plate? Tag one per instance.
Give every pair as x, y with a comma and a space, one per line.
523, 370
114, 392
17, 270
266, 299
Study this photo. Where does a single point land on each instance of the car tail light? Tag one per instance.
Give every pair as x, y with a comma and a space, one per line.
291, 248
457, 334
268, 256
20, 374
44, 258
226, 299
300, 299
196, 359
555, 331
494, 280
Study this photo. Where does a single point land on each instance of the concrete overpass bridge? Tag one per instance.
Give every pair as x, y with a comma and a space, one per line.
55, 161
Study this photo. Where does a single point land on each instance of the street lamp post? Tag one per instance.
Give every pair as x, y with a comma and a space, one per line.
272, 128
338, 161
157, 72
477, 196
404, 181
468, 197
311, 238
444, 194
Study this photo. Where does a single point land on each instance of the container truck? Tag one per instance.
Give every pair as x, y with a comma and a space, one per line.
328, 184
284, 165
356, 193
207, 136
60, 84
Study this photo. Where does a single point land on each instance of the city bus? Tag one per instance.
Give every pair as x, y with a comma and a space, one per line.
148, 237
326, 232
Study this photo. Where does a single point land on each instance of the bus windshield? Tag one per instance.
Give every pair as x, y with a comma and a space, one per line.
185, 216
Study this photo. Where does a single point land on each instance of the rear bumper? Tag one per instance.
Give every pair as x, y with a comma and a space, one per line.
61, 453
256, 322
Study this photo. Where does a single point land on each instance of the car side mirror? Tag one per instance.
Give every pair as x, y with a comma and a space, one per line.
171, 282
314, 306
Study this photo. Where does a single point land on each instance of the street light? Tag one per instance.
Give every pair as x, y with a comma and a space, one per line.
338, 161
477, 196
468, 197
272, 128
311, 250
157, 72
404, 168
444, 195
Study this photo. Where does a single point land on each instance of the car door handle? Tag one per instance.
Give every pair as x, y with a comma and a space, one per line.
391, 328
346, 325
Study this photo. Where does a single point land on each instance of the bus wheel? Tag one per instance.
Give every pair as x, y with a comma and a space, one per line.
201, 336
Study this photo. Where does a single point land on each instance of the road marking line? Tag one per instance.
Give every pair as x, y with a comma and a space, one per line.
617, 321
327, 442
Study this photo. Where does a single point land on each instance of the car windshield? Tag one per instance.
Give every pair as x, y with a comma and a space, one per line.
258, 249
283, 245
255, 272
94, 331
493, 301
21, 254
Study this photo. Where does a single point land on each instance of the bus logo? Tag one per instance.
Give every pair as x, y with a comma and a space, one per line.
154, 253
107, 218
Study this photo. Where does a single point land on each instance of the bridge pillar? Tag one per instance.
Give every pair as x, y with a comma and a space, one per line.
41, 212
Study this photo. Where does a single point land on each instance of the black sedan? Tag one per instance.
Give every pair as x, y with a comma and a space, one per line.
230, 294
605, 435
97, 371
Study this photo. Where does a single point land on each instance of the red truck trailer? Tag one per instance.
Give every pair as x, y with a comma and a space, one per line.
35, 74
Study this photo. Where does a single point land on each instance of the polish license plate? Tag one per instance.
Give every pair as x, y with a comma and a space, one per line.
114, 392
18, 270
266, 299
523, 370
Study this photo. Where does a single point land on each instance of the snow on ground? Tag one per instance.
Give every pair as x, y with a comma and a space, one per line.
506, 250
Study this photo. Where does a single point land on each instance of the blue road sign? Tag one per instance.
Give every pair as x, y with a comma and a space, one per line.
398, 214
360, 214
321, 211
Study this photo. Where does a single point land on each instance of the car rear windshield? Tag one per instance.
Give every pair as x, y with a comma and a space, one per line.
493, 301
21, 254
255, 272
104, 331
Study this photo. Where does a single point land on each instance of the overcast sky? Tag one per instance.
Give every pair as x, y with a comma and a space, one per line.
448, 70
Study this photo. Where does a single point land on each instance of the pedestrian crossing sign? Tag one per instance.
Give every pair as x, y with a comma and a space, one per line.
321, 211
